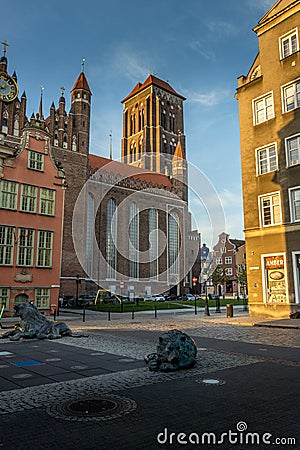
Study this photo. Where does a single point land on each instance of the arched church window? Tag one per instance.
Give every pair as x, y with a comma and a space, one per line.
90, 233
153, 242
5, 122
163, 118
111, 236
74, 145
55, 141
65, 141
173, 243
16, 129
133, 240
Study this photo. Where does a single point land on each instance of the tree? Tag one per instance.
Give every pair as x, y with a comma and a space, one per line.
219, 276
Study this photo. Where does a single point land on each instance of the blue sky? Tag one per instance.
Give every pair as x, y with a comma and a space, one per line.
199, 46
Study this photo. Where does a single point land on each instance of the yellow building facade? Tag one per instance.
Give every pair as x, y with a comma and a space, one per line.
269, 115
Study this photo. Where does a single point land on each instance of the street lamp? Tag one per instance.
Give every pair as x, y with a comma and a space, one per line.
206, 309
78, 281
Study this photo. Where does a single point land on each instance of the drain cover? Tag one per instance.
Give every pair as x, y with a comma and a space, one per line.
105, 407
210, 382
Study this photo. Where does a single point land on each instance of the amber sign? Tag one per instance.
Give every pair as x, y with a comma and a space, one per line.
275, 279
274, 262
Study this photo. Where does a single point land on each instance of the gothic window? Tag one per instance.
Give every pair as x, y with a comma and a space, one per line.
133, 240
140, 146
132, 124
74, 145
90, 233
173, 243
16, 126
5, 122
163, 118
65, 141
172, 122
142, 119
153, 242
132, 156
111, 235
126, 124
55, 142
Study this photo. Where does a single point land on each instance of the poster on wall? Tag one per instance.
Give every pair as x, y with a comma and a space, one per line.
275, 278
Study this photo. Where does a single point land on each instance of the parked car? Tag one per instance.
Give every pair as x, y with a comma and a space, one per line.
187, 297
158, 298
171, 297
213, 296
86, 300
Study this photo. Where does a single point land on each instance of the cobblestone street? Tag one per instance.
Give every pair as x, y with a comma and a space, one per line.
254, 367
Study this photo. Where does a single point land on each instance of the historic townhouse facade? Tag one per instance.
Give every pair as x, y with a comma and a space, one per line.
224, 255
32, 189
269, 111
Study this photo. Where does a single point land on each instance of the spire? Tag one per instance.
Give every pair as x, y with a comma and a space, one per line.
179, 154
81, 82
41, 104
110, 145
62, 98
3, 59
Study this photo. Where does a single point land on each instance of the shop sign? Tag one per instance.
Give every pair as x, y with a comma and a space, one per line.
275, 279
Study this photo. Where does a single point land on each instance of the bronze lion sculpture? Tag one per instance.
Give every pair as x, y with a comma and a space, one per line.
176, 350
33, 324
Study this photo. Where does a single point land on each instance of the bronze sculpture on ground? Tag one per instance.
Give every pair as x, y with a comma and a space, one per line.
176, 350
33, 324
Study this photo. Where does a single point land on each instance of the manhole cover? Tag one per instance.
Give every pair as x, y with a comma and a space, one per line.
52, 359
105, 407
22, 375
210, 382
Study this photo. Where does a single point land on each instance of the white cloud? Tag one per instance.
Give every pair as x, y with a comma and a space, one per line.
219, 28
202, 49
263, 5
230, 198
132, 65
211, 98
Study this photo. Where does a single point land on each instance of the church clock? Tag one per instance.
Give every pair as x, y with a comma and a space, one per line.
8, 88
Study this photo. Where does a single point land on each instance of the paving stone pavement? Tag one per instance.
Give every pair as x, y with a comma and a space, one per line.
241, 357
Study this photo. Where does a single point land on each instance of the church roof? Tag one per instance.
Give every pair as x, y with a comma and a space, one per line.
127, 171
276, 9
81, 83
152, 80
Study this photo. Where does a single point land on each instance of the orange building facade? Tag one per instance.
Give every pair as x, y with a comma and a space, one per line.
31, 220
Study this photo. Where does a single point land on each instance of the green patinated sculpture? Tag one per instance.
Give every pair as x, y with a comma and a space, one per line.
176, 350
33, 324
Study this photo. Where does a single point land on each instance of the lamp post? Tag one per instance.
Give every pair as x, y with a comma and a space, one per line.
206, 309
78, 281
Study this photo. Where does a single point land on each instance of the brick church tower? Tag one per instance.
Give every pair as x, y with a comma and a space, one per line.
153, 125
70, 134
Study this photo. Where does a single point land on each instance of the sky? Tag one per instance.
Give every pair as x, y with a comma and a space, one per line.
200, 47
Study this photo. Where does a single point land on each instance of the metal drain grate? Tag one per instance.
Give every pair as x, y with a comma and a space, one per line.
106, 407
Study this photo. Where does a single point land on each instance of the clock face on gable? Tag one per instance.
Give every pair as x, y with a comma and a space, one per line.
8, 88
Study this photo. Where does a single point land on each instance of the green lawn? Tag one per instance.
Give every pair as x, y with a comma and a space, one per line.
148, 306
